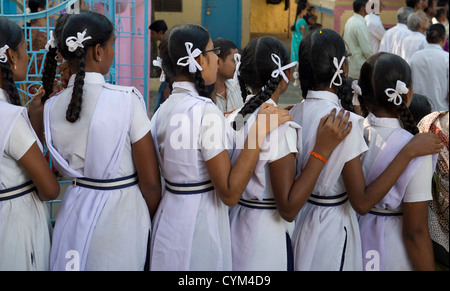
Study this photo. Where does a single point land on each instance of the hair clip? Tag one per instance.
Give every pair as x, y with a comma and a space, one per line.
158, 63
276, 59
356, 92
73, 43
51, 43
237, 59
3, 56
395, 94
189, 60
338, 73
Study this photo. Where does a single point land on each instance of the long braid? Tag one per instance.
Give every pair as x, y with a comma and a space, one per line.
202, 89
49, 73
243, 86
407, 119
8, 84
74, 108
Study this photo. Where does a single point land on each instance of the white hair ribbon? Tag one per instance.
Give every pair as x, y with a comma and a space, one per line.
395, 94
3, 57
237, 59
158, 63
338, 73
51, 43
73, 42
276, 59
190, 59
356, 92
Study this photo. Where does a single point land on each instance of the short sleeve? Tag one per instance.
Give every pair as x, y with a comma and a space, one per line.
419, 188
140, 123
281, 146
20, 140
213, 133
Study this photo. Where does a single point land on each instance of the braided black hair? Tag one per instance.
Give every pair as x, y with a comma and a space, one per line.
100, 29
381, 72
11, 35
256, 74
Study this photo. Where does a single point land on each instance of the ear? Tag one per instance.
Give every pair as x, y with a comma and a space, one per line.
13, 57
98, 52
202, 60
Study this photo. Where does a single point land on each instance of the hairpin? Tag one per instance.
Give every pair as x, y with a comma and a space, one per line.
73, 43
356, 92
158, 63
395, 94
189, 60
276, 59
51, 43
3, 56
338, 73
237, 59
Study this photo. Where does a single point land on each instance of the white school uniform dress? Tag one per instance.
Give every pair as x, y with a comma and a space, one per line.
25, 228
260, 236
107, 228
392, 40
326, 235
191, 229
381, 229
376, 30
414, 42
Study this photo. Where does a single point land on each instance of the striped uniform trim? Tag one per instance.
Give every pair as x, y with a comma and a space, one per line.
17, 191
190, 188
106, 185
385, 212
328, 201
258, 204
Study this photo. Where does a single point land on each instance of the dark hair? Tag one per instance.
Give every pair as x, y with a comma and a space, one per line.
435, 33
300, 7
158, 25
225, 45
34, 5
358, 4
51, 63
379, 73
316, 69
100, 29
173, 48
411, 3
256, 73
12, 35
420, 107
439, 13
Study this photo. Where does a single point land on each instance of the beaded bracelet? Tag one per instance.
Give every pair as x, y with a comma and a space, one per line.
317, 156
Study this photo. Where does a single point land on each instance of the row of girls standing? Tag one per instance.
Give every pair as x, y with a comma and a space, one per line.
113, 217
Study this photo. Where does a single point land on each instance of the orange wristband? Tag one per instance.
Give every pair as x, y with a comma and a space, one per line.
317, 156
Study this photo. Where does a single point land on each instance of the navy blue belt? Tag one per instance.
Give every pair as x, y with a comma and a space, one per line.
106, 185
258, 204
385, 212
15, 192
190, 188
328, 201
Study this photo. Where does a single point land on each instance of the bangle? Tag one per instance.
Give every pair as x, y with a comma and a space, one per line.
317, 156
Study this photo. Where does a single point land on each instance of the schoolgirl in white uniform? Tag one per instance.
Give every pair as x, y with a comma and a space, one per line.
99, 134
25, 177
394, 233
326, 235
261, 223
193, 140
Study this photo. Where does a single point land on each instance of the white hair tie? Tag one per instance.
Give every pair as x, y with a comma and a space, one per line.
276, 59
3, 56
189, 60
73, 43
237, 59
338, 73
356, 92
395, 94
51, 43
158, 63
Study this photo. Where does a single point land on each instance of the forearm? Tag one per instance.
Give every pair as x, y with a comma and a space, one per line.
420, 250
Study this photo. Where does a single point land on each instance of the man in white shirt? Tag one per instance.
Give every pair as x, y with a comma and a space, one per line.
430, 69
418, 23
393, 38
375, 25
356, 35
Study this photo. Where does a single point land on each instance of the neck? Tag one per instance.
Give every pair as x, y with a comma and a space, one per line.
221, 88
381, 112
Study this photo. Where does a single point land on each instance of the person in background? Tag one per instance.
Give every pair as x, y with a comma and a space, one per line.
375, 26
393, 38
420, 107
418, 23
227, 90
356, 36
431, 10
416, 4
299, 29
157, 30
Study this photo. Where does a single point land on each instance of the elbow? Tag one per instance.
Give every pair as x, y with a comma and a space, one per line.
415, 235
287, 214
229, 201
50, 193
360, 209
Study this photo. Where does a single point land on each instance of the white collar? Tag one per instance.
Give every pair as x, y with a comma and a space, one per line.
90, 78
324, 95
186, 86
435, 46
4, 96
383, 121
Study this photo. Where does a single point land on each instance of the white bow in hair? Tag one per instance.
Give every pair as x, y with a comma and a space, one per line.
73, 42
276, 59
395, 94
3, 57
338, 73
158, 63
190, 59
237, 59
51, 43
356, 92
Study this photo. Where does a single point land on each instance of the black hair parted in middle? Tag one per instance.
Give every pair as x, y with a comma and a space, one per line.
100, 29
